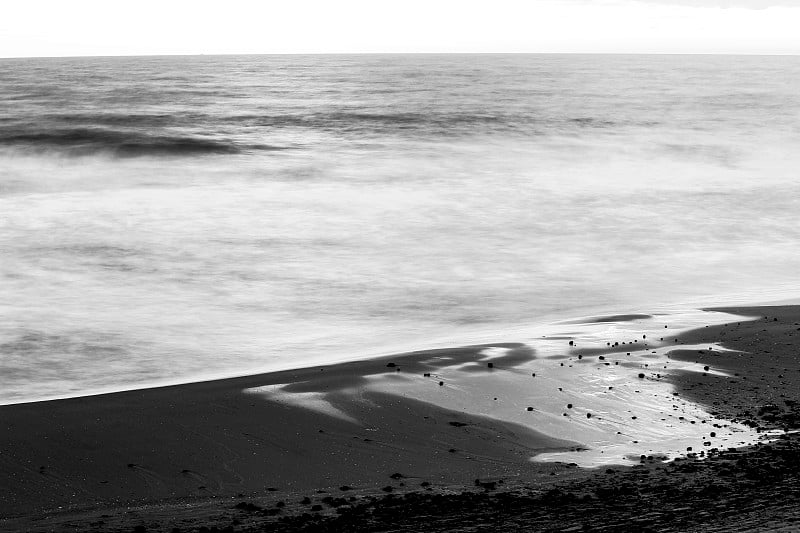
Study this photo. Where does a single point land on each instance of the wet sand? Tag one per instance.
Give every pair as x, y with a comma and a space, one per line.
293, 450
211, 439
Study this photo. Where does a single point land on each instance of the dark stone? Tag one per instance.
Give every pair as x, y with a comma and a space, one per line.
248, 506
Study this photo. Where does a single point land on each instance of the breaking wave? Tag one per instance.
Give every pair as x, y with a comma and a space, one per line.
89, 141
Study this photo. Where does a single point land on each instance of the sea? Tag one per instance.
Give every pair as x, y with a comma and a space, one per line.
178, 218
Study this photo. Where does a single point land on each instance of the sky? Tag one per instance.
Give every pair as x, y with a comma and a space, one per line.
141, 27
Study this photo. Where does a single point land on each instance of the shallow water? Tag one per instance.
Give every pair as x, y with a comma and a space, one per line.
170, 219
615, 404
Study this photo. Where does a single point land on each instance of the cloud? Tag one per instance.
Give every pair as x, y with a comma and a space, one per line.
746, 4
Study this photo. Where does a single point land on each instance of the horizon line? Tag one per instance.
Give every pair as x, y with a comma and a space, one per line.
229, 54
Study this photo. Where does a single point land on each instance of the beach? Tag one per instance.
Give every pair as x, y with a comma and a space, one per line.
398, 292
343, 447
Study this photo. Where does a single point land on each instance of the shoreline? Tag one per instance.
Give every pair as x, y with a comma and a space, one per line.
210, 445
554, 324
140, 439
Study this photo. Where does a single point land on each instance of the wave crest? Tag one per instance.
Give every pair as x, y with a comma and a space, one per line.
89, 141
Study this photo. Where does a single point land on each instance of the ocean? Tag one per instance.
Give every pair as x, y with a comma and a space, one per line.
168, 219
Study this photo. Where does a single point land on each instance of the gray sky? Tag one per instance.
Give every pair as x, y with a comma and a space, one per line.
749, 4
130, 27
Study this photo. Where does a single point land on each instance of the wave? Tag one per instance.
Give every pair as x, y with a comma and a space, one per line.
324, 120
372, 121
190, 134
451, 123
118, 143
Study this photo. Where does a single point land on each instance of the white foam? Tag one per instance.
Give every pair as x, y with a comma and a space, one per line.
316, 401
630, 416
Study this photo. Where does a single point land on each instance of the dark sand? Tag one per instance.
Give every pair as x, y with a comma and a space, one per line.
207, 455
210, 440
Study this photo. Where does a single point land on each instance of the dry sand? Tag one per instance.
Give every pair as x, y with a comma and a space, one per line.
325, 449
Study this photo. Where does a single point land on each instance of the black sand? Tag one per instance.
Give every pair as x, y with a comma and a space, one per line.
205, 455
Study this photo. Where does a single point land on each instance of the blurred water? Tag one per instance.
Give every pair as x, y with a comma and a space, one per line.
167, 219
